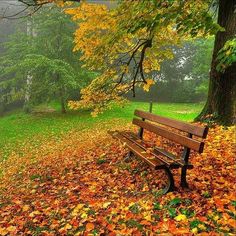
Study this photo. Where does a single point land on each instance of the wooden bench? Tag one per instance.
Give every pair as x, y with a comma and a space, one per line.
188, 135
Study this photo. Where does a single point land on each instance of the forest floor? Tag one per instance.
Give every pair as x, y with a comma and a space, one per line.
80, 185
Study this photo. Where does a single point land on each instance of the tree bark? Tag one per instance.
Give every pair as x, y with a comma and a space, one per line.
61, 93
220, 105
63, 106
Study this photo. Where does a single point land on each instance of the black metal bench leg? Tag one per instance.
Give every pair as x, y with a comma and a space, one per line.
183, 182
171, 183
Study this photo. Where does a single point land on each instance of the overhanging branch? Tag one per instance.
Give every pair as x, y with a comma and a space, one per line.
40, 3
31, 6
137, 58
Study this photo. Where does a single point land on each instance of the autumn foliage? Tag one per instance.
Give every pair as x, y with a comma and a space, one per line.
80, 185
127, 42
104, 46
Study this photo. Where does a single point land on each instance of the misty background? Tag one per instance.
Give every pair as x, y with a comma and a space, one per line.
37, 65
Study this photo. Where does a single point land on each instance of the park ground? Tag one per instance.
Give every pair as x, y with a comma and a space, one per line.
64, 175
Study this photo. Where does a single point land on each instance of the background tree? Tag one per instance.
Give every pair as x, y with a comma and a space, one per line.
47, 56
6, 28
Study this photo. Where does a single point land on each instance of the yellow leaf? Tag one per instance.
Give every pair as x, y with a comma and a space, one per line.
25, 208
79, 206
68, 226
227, 52
70, 11
106, 204
11, 228
32, 214
77, 209
202, 227
181, 217
146, 86
148, 217
194, 230
84, 215
3, 231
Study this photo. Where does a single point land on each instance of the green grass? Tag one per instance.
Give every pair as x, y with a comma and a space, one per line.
19, 127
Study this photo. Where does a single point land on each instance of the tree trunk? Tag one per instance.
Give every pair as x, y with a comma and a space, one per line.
221, 94
63, 106
61, 93
29, 78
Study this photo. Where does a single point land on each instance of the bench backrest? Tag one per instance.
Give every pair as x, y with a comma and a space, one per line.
191, 129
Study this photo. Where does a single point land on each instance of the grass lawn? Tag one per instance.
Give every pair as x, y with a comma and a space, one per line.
18, 127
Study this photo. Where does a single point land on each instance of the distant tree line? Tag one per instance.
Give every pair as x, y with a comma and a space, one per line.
37, 63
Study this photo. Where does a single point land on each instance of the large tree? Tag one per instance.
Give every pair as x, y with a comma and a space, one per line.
221, 99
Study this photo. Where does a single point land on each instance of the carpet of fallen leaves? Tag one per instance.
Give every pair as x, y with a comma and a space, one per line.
80, 185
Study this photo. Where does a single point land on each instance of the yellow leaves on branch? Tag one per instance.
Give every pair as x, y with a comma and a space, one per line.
149, 82
93, 23
103, 43
100, 95
106, 36
86, 11
60, 3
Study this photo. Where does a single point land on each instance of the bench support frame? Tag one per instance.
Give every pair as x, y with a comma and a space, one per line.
171, 182
185, 157
170, 187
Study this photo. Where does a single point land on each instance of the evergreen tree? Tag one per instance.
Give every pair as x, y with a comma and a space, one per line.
39, 64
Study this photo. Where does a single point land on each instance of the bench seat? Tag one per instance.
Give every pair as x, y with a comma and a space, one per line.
155, 156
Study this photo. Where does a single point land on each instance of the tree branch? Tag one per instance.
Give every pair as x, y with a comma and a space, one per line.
138, 67
40, 3
35, 4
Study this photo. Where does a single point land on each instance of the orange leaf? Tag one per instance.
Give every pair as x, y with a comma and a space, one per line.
111, 227
89, 226
232, 222
145, 222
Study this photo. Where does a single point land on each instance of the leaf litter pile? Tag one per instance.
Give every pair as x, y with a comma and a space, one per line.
80, 185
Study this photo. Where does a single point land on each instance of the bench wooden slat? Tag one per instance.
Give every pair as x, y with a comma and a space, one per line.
180, 125
185, 141
168, 162
138, 151
173, 157
159, 151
